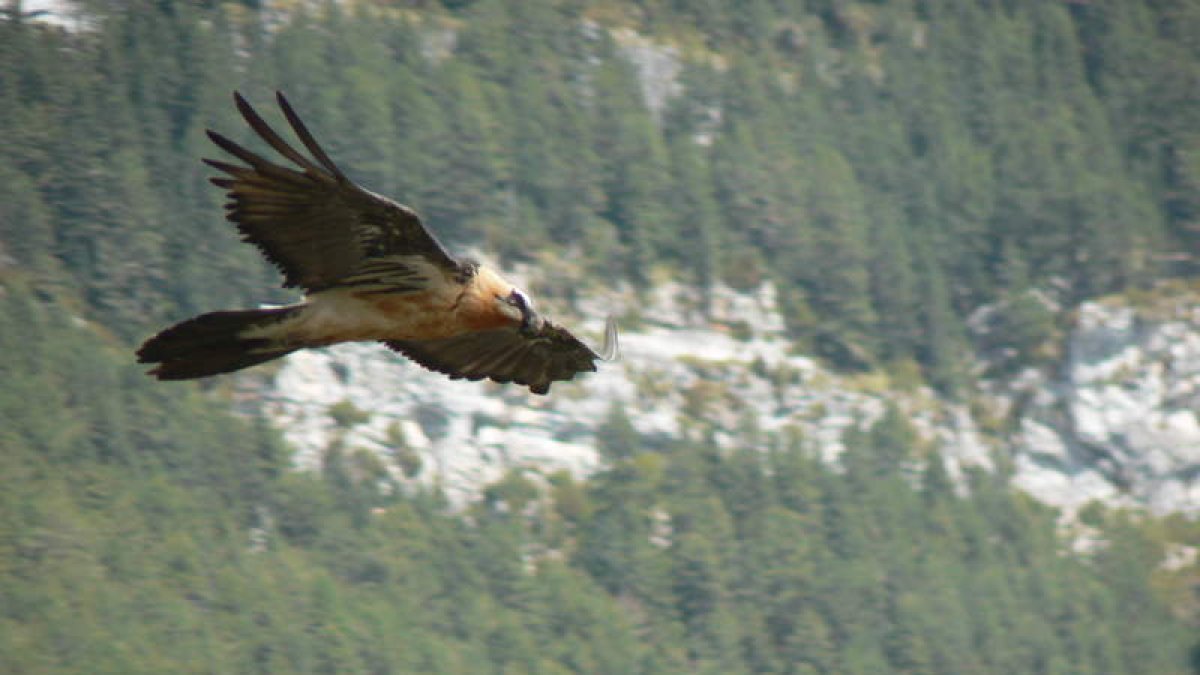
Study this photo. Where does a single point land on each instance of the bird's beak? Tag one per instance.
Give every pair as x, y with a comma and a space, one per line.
531, 321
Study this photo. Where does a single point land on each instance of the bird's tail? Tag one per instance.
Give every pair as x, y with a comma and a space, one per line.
217, 342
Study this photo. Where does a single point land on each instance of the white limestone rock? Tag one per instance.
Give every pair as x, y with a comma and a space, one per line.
1119, 423
1116, 422
730, 368
658, 67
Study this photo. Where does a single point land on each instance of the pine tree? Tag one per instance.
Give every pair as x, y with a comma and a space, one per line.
894, 290
697, 226
832, 259
633, 168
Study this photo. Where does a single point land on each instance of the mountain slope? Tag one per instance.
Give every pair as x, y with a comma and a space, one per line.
887, 168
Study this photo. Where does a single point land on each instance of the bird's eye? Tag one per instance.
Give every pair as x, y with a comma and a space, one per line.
517, 299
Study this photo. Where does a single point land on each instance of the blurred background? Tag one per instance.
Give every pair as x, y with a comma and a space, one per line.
910, 310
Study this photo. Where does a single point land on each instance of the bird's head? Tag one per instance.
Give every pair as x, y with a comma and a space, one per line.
518, 307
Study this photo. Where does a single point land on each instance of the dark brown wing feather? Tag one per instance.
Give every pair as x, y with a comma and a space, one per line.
318, 227
505, 355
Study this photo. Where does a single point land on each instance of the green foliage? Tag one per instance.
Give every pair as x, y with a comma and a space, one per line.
888, 164
406, 456
346, 415
144, 530
616, 438
1022, 331
891, 165
514, 492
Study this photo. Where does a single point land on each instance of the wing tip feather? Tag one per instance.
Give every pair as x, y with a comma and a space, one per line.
306, 137
611, 350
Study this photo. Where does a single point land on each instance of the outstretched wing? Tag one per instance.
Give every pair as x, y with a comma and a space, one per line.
316, 225
506, 355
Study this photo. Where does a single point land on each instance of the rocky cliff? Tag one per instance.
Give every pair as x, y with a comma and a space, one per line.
1113, 420
727, 369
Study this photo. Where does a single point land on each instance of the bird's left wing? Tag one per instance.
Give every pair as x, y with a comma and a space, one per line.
316, 225
506, 355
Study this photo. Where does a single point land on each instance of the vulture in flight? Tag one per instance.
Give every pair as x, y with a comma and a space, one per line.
370, 270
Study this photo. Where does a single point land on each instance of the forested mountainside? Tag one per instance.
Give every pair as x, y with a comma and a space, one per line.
893, 165
889, 166
144, 530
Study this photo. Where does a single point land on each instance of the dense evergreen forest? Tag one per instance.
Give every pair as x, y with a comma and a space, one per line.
144, 531
892, 165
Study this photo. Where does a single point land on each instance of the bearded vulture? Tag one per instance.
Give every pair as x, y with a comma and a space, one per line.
370, 270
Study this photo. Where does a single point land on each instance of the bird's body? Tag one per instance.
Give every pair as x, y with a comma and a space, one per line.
371, 272
346, 314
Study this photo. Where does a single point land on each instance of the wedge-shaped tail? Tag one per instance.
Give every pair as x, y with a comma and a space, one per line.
214, 343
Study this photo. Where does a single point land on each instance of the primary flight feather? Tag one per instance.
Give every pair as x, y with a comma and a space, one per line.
371, 271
